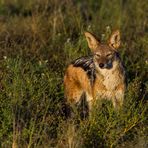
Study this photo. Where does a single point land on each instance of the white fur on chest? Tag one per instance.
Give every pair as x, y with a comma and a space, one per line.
111, 77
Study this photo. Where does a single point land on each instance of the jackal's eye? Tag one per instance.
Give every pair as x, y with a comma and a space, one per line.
98, 55
109, 55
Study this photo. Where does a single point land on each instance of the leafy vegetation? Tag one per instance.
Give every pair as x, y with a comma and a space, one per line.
38, 38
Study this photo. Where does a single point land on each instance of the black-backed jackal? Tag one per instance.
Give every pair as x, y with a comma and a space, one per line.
100, 76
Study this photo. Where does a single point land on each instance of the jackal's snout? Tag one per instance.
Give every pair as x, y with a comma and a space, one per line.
101, 65
107, 65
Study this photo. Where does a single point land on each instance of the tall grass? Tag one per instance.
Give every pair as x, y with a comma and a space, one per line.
37, 41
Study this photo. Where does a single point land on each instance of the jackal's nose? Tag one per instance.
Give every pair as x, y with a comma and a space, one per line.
101, 65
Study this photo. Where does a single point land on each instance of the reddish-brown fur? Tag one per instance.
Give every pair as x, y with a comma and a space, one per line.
76, 81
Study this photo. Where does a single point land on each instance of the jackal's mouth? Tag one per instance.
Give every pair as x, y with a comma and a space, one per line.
108, 65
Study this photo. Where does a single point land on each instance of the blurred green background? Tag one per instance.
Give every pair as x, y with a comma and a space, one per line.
38, 38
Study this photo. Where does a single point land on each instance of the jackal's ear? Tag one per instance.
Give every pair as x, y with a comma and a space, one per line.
114, 40
91, 40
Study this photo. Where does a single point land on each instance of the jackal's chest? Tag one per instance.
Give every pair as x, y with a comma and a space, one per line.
111, 81
107, 85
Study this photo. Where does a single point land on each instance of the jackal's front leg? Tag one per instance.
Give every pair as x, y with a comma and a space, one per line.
118, 99
90, 101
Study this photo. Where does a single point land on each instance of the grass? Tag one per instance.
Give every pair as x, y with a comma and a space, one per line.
37, 41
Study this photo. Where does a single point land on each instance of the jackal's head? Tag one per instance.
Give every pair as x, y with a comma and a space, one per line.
105, 55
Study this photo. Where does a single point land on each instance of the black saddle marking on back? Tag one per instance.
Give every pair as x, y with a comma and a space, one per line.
87, 64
